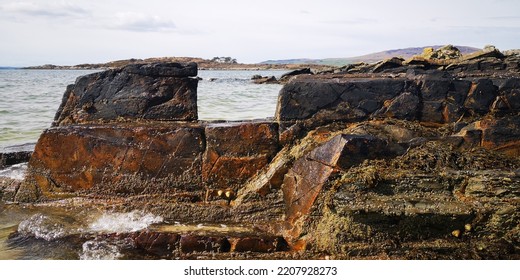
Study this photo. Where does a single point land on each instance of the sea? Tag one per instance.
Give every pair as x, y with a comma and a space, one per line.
28, 102
29, 98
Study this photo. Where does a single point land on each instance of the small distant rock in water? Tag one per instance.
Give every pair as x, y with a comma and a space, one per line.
304, 71
257, 79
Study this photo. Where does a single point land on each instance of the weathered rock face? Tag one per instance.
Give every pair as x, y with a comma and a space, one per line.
160, 91
427, 97
15, 154
116, 160
237, 151
287, 76
305, 180
335, 100
11, 158
500, 134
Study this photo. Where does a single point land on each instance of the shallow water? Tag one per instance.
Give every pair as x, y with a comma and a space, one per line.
29, 99
231, 95
73, 233
65, 233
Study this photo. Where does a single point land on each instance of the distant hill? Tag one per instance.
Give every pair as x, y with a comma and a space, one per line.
368, 58
215, 63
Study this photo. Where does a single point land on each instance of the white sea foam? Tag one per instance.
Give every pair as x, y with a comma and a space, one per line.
124, 222
16, 171
42, 227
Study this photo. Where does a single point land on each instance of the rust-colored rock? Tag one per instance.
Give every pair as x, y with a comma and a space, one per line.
306, 178
502, 134
157, 243
266, 244
195, 243
237, 151
117, 159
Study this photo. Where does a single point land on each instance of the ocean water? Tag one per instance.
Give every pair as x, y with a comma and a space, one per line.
29, 99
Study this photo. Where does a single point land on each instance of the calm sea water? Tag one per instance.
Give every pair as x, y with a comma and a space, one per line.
29, 99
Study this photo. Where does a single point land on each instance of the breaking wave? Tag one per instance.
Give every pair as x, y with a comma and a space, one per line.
124, 222
42, 227
16, 171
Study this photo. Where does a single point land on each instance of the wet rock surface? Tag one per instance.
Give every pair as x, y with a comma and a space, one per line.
412, 160
15, 154
109, 159
161, 91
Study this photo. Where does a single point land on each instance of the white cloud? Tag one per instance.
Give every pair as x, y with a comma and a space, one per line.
54, 9
139, 22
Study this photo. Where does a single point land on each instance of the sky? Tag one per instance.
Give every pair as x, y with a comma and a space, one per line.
68, 32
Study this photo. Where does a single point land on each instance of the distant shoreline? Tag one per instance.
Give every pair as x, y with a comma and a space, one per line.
204, 64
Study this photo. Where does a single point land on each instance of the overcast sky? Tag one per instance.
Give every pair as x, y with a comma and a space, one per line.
72, 32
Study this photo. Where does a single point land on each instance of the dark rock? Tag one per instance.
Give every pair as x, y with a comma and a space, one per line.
458, 92
340, 100
268, 244
405, 106
171, 69
492, 64
15, 154
509, 96
11, 158
451, 113
433, 111
161, 91
386, 64
305, 71
502, 134
435, 89
481, 96
265, 80
288, 135
194, 243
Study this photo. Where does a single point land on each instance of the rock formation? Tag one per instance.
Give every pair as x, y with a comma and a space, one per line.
399, 159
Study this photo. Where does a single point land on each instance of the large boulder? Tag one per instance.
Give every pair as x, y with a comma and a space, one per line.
328, 100
115, 160
159, 91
